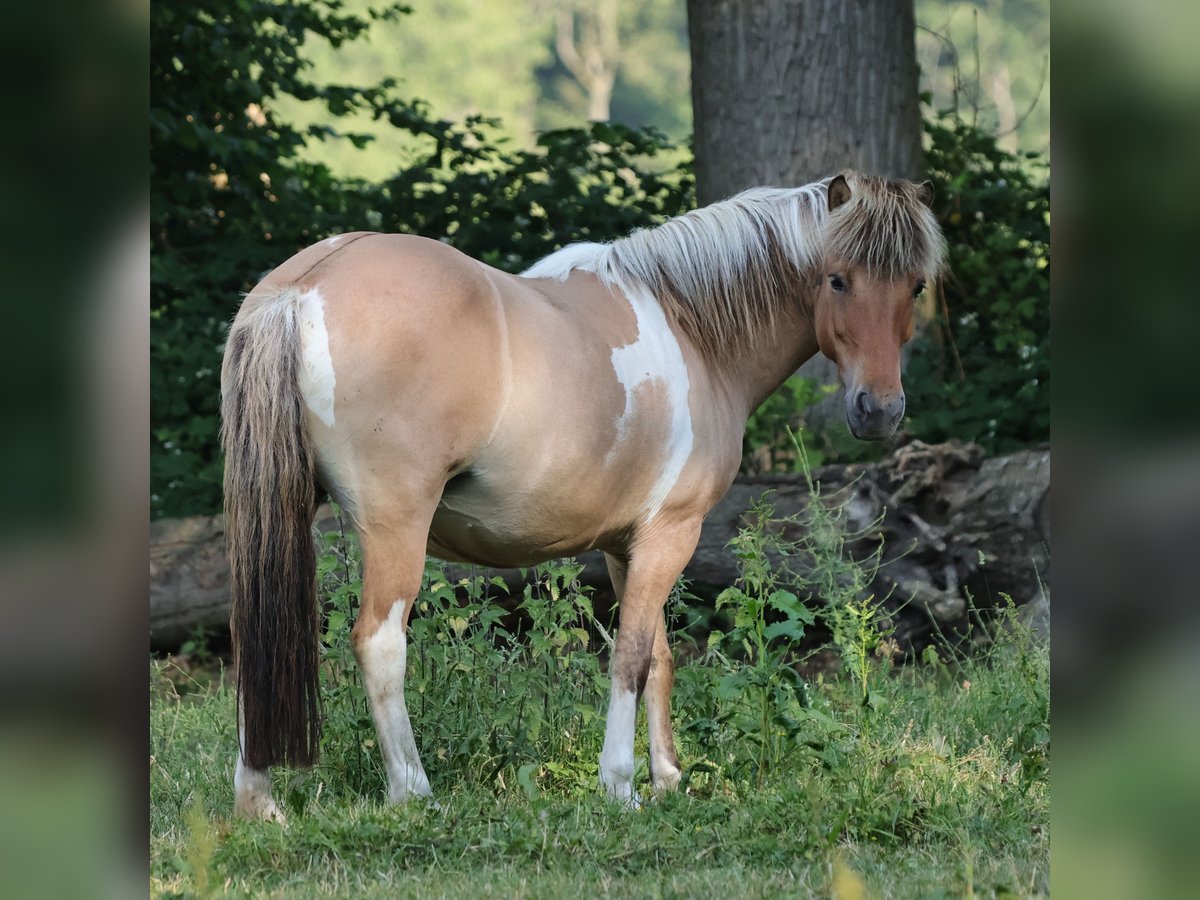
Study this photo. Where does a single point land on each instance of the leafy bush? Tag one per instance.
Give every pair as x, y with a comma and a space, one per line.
982, 372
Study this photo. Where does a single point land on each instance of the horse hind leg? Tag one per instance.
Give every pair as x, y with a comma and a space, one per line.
252, 787
391, 579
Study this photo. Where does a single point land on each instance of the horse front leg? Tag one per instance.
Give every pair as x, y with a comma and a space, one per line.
654, 565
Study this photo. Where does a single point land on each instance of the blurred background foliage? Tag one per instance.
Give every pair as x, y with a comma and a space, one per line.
276, 124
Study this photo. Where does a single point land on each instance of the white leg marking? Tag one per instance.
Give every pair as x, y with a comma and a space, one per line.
616, 759
252, 787
655, 355
317, 378
382, 658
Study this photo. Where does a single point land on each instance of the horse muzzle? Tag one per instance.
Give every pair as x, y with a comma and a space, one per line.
871, 418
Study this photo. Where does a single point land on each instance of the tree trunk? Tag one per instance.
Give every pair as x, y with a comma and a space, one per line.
785, 92
589, 47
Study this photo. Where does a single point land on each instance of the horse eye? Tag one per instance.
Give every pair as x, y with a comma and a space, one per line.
835, 282
920, 289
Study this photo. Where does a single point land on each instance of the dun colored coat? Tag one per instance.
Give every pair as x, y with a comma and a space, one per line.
597, 400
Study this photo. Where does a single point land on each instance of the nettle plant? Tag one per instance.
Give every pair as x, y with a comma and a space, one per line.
762, 696
784, 587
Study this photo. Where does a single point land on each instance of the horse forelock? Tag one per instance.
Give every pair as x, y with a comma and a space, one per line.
726, 271
887, 228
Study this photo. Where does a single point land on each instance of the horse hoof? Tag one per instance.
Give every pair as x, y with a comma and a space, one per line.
260, 809
628, 797
668, 781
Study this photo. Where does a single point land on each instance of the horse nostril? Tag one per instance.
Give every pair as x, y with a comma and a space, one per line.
862, 404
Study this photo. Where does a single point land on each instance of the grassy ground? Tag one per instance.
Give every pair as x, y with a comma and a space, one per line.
926, 780
937, 787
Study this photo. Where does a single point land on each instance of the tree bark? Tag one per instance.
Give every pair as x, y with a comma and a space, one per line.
785, 92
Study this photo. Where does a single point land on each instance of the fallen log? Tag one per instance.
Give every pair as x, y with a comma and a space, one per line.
955, 527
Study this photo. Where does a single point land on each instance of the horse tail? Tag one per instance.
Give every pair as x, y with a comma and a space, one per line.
270, 498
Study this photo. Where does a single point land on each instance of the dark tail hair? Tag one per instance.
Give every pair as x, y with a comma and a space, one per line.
270, 498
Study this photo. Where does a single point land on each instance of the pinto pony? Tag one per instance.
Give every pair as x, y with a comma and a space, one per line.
597, 400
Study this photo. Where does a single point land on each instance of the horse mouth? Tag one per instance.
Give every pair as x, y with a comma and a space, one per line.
872, 431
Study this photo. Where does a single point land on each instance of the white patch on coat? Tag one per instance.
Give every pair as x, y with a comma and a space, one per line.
656, 356
252, 794
616, 758
559, 264
382, 658
318, 381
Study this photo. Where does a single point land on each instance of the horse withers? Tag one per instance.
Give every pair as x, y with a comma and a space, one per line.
598, 400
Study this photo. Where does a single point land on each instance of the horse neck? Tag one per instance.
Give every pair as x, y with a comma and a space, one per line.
755, 375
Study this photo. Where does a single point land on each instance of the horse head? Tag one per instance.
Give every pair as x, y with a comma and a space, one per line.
882, 245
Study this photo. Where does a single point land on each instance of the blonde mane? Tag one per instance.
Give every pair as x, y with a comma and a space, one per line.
725, 271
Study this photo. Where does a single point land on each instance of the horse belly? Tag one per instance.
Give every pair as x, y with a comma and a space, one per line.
514, 528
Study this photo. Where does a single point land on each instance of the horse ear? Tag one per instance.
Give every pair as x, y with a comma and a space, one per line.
925, 192
839, 192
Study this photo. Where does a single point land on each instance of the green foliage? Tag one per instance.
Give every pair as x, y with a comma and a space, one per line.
855, 619
233, 196
773, 605
476, 689
949, 761
982, 372
939, 785
230, 201
766, 446
762, 699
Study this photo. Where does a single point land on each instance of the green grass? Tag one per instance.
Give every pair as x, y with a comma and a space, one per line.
923, 780
926, 792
